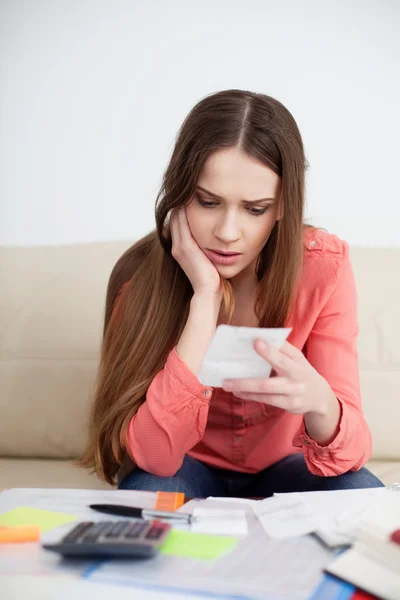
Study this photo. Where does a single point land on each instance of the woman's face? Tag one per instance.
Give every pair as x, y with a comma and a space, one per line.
234, 209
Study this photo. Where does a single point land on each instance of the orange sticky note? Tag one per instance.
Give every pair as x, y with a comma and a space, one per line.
169, 501
27, 533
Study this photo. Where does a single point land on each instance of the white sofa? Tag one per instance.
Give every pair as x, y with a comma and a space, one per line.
52, 302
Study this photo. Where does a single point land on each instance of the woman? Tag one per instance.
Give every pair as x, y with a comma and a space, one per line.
234, 185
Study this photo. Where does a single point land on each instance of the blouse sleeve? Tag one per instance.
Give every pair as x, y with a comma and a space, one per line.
331, 349
171, 421
173, 417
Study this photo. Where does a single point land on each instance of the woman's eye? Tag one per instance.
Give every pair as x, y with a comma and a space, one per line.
256, 212
204, 203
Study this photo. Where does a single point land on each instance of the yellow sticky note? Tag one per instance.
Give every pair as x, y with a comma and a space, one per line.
44, 519
197, 545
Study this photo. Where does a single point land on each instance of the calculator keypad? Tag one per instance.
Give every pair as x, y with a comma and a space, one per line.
136, 530
126, 538
117, 529
116, 532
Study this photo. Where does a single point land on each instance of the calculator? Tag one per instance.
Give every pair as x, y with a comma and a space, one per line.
117, 539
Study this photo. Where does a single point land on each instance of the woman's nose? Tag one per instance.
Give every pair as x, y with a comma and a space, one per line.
227, 229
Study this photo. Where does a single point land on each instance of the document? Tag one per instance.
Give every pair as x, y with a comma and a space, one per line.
219, 521
336, 513
285, 517
231, 354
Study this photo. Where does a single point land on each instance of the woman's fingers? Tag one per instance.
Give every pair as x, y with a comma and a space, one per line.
175, 232
281, 362
181, 231
291, 351
184, 230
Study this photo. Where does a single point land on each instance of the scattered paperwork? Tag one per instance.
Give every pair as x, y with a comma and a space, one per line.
257, 567
332, 515
263, 559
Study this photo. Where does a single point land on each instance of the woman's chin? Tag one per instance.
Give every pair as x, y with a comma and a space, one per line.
227, 269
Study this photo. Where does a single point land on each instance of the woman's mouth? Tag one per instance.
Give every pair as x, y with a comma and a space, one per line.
221, 258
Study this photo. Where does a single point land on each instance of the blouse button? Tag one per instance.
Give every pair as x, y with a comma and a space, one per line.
238, 438
207, 393
306, 441
314, 244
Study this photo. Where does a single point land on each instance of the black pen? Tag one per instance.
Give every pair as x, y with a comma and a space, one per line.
142, 513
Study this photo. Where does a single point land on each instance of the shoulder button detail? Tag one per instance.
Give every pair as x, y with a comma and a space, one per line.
207, 393
314, 244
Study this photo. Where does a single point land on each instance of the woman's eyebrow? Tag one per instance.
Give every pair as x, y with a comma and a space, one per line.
246, 201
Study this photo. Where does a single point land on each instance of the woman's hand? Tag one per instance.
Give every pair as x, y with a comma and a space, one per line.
199, 269
297, 388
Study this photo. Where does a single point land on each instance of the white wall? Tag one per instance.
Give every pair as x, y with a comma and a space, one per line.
93, 92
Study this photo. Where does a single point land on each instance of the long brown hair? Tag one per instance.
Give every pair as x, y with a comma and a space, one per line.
152, 309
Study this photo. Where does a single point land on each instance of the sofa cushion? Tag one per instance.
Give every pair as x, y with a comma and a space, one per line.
46, 473
51, 326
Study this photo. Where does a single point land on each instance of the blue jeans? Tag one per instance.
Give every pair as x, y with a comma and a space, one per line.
197, 480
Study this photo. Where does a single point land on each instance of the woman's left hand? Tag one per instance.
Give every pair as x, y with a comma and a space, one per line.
297, 388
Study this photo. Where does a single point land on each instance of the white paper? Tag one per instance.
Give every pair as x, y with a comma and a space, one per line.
231, 354
259, 568
220, 521
336, 513
247, 501
285, 517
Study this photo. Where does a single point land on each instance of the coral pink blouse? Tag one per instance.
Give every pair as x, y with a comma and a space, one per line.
181, 416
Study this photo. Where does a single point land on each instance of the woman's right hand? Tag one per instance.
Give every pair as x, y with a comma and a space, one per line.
199, 269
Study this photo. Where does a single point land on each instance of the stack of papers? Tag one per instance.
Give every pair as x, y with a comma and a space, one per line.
333, 516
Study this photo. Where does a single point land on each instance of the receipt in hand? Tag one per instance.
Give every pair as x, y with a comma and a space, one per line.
231, 354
